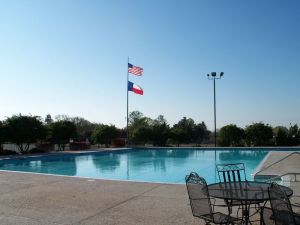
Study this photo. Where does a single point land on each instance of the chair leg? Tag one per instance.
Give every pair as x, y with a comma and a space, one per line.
229, 209
238, 212
229, 206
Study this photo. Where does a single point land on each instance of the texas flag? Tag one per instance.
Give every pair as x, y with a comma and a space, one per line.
135, 88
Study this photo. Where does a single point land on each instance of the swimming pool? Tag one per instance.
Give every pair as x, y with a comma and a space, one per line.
167, 165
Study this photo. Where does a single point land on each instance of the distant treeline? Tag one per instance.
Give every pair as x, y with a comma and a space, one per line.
24, 130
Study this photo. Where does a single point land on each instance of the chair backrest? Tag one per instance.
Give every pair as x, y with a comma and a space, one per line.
281, 206
234, 172
198, 195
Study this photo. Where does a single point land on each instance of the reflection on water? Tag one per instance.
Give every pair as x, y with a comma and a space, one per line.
240, 155
161, 165
110, 163
158, 159
61, 166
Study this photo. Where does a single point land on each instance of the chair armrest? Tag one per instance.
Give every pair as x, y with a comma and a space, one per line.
213, 202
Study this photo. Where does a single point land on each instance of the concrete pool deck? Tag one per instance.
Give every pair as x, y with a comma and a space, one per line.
37, 199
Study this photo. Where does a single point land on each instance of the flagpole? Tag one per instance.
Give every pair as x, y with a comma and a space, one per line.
127, 103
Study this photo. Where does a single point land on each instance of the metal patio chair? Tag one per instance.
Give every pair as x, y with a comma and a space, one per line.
201, 202
282, 212
234, 172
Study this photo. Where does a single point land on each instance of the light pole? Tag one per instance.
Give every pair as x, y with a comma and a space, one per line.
213, 76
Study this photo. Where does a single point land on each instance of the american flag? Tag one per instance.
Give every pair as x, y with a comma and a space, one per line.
135, 70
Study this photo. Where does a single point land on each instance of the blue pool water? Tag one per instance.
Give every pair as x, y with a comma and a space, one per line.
168, 165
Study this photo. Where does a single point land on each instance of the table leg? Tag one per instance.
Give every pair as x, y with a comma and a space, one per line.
261, 212
246, 212
247, 208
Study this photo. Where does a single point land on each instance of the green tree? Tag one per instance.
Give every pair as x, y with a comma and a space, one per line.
104, 134
259, 134
61, 132
200, 133
293, 135
139, 128
2, 135
160, 131
62, 117
281, 136
135, 118
231, 135
178, 135
141, 135
186, 127
84, 127
24, 130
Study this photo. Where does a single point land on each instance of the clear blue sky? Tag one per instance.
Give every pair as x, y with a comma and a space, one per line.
70, 57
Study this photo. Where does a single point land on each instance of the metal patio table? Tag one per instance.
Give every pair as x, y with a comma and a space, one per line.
247, 192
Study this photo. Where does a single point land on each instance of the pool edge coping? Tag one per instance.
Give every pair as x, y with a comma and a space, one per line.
89, 178
101, 150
